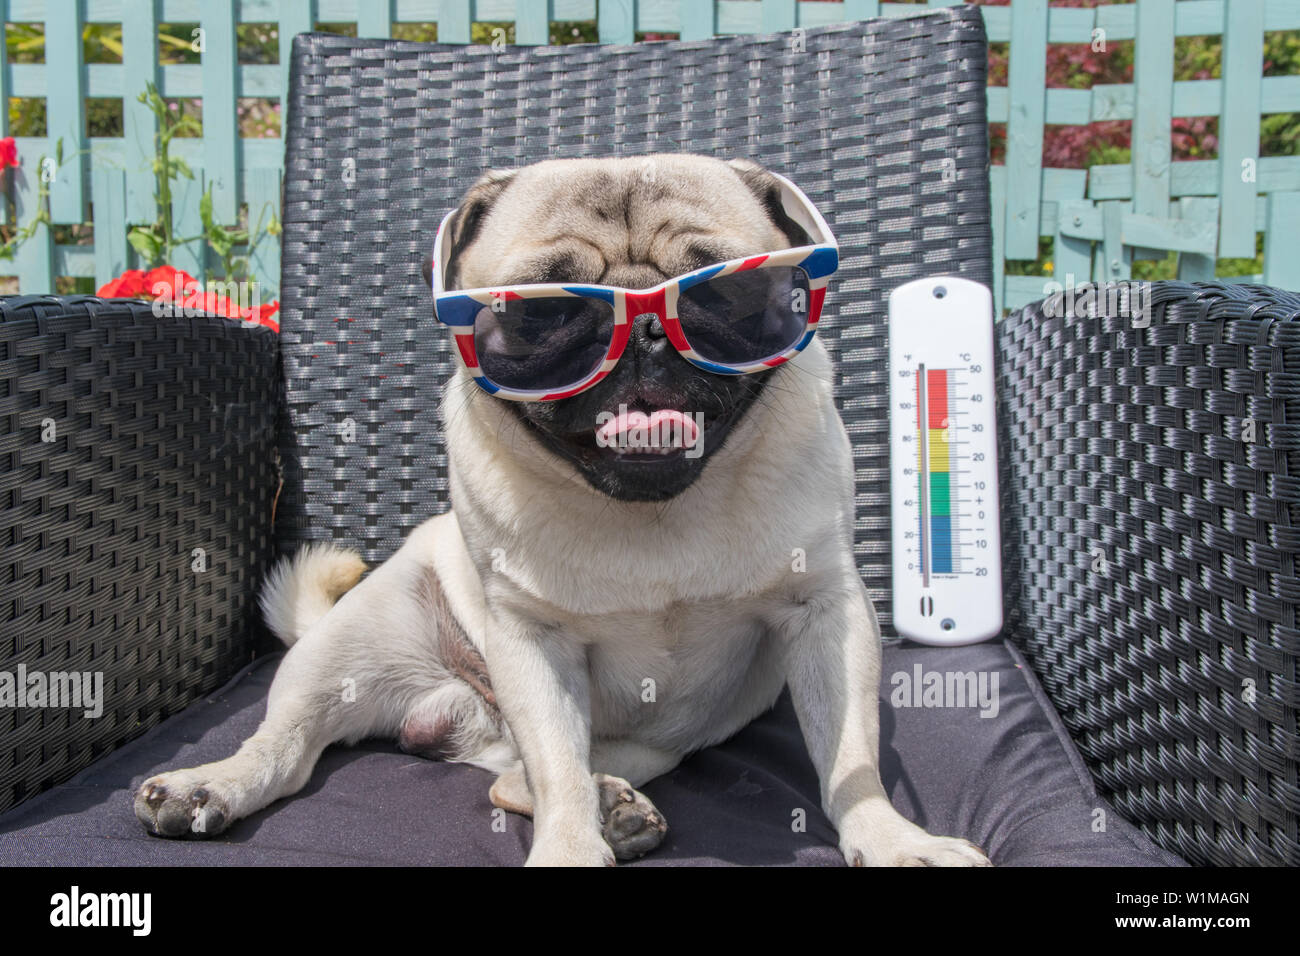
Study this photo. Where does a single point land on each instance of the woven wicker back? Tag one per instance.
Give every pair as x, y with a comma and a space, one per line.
1153, 569
136, 490
882, 123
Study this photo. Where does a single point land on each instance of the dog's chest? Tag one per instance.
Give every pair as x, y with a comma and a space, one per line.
688, 676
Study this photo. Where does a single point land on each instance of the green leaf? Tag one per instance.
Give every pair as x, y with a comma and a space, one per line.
146, 244
220, 241
205, 210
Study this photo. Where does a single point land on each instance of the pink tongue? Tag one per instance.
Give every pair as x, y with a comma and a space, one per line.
662, 428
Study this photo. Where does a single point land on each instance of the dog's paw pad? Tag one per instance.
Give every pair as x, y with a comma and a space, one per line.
929, 851
632, 825
169, 805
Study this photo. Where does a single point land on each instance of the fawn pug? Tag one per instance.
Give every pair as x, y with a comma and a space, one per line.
641, 434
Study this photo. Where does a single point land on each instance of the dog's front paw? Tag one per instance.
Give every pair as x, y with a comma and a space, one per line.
182, 803
633, 826
584, 847
889, 839
925, 850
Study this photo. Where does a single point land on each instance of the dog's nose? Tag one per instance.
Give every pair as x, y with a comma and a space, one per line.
653, 327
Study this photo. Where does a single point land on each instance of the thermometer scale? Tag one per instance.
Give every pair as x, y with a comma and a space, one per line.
947, 548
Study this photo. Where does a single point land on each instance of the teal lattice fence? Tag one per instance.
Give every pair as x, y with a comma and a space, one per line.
1101, 219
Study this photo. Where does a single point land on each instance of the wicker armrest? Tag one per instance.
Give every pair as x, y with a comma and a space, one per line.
136, 494
1151, 502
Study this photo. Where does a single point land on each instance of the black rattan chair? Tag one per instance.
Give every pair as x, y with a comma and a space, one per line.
1110, 436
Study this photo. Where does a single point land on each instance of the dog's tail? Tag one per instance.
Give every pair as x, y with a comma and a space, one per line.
300, 590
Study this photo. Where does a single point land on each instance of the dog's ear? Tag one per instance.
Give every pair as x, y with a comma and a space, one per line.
468, 219
767, 190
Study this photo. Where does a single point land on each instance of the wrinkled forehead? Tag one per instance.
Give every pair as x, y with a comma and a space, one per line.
672, 216
635, 193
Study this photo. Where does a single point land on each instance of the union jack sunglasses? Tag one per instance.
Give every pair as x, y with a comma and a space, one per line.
539, 343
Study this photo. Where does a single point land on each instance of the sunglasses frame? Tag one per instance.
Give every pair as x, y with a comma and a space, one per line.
459, 309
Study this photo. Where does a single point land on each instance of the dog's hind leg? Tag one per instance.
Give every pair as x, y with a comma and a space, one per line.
323, 693
356, 672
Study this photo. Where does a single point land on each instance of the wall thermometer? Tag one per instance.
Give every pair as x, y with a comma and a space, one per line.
947, 558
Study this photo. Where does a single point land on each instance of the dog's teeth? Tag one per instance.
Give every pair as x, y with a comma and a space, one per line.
644, 450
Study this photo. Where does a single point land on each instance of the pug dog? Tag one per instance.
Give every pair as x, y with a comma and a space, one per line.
592, 611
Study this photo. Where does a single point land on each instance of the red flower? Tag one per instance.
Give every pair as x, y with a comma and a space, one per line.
8, 152
130, 283
261, 314
183, 291
173, 279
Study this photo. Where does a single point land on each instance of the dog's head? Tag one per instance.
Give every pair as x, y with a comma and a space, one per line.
630, 222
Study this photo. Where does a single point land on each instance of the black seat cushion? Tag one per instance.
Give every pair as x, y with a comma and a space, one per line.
1013, 783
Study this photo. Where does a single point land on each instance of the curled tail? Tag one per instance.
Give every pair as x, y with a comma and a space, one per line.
300, 590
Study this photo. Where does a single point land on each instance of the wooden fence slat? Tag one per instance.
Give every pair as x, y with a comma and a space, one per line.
220, 118
1027, 76
997, 23
296, 16
186, 194
1281, 15
1023, 290
575, 9
1163, 233
533, 22
861, 9
65, 108
139, 125
1281, 242
779, 15
1114, 101
375, 18
108, 193
697, 20
1194, 177
34, 260
1153, 94
74, 261
1193, 267
616, 21
1112, 261
998, 204
1243, 66
263, 191
1072, 250
454, 21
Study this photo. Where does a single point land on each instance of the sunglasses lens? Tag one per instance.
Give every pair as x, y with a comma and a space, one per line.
548, 343
747, 316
